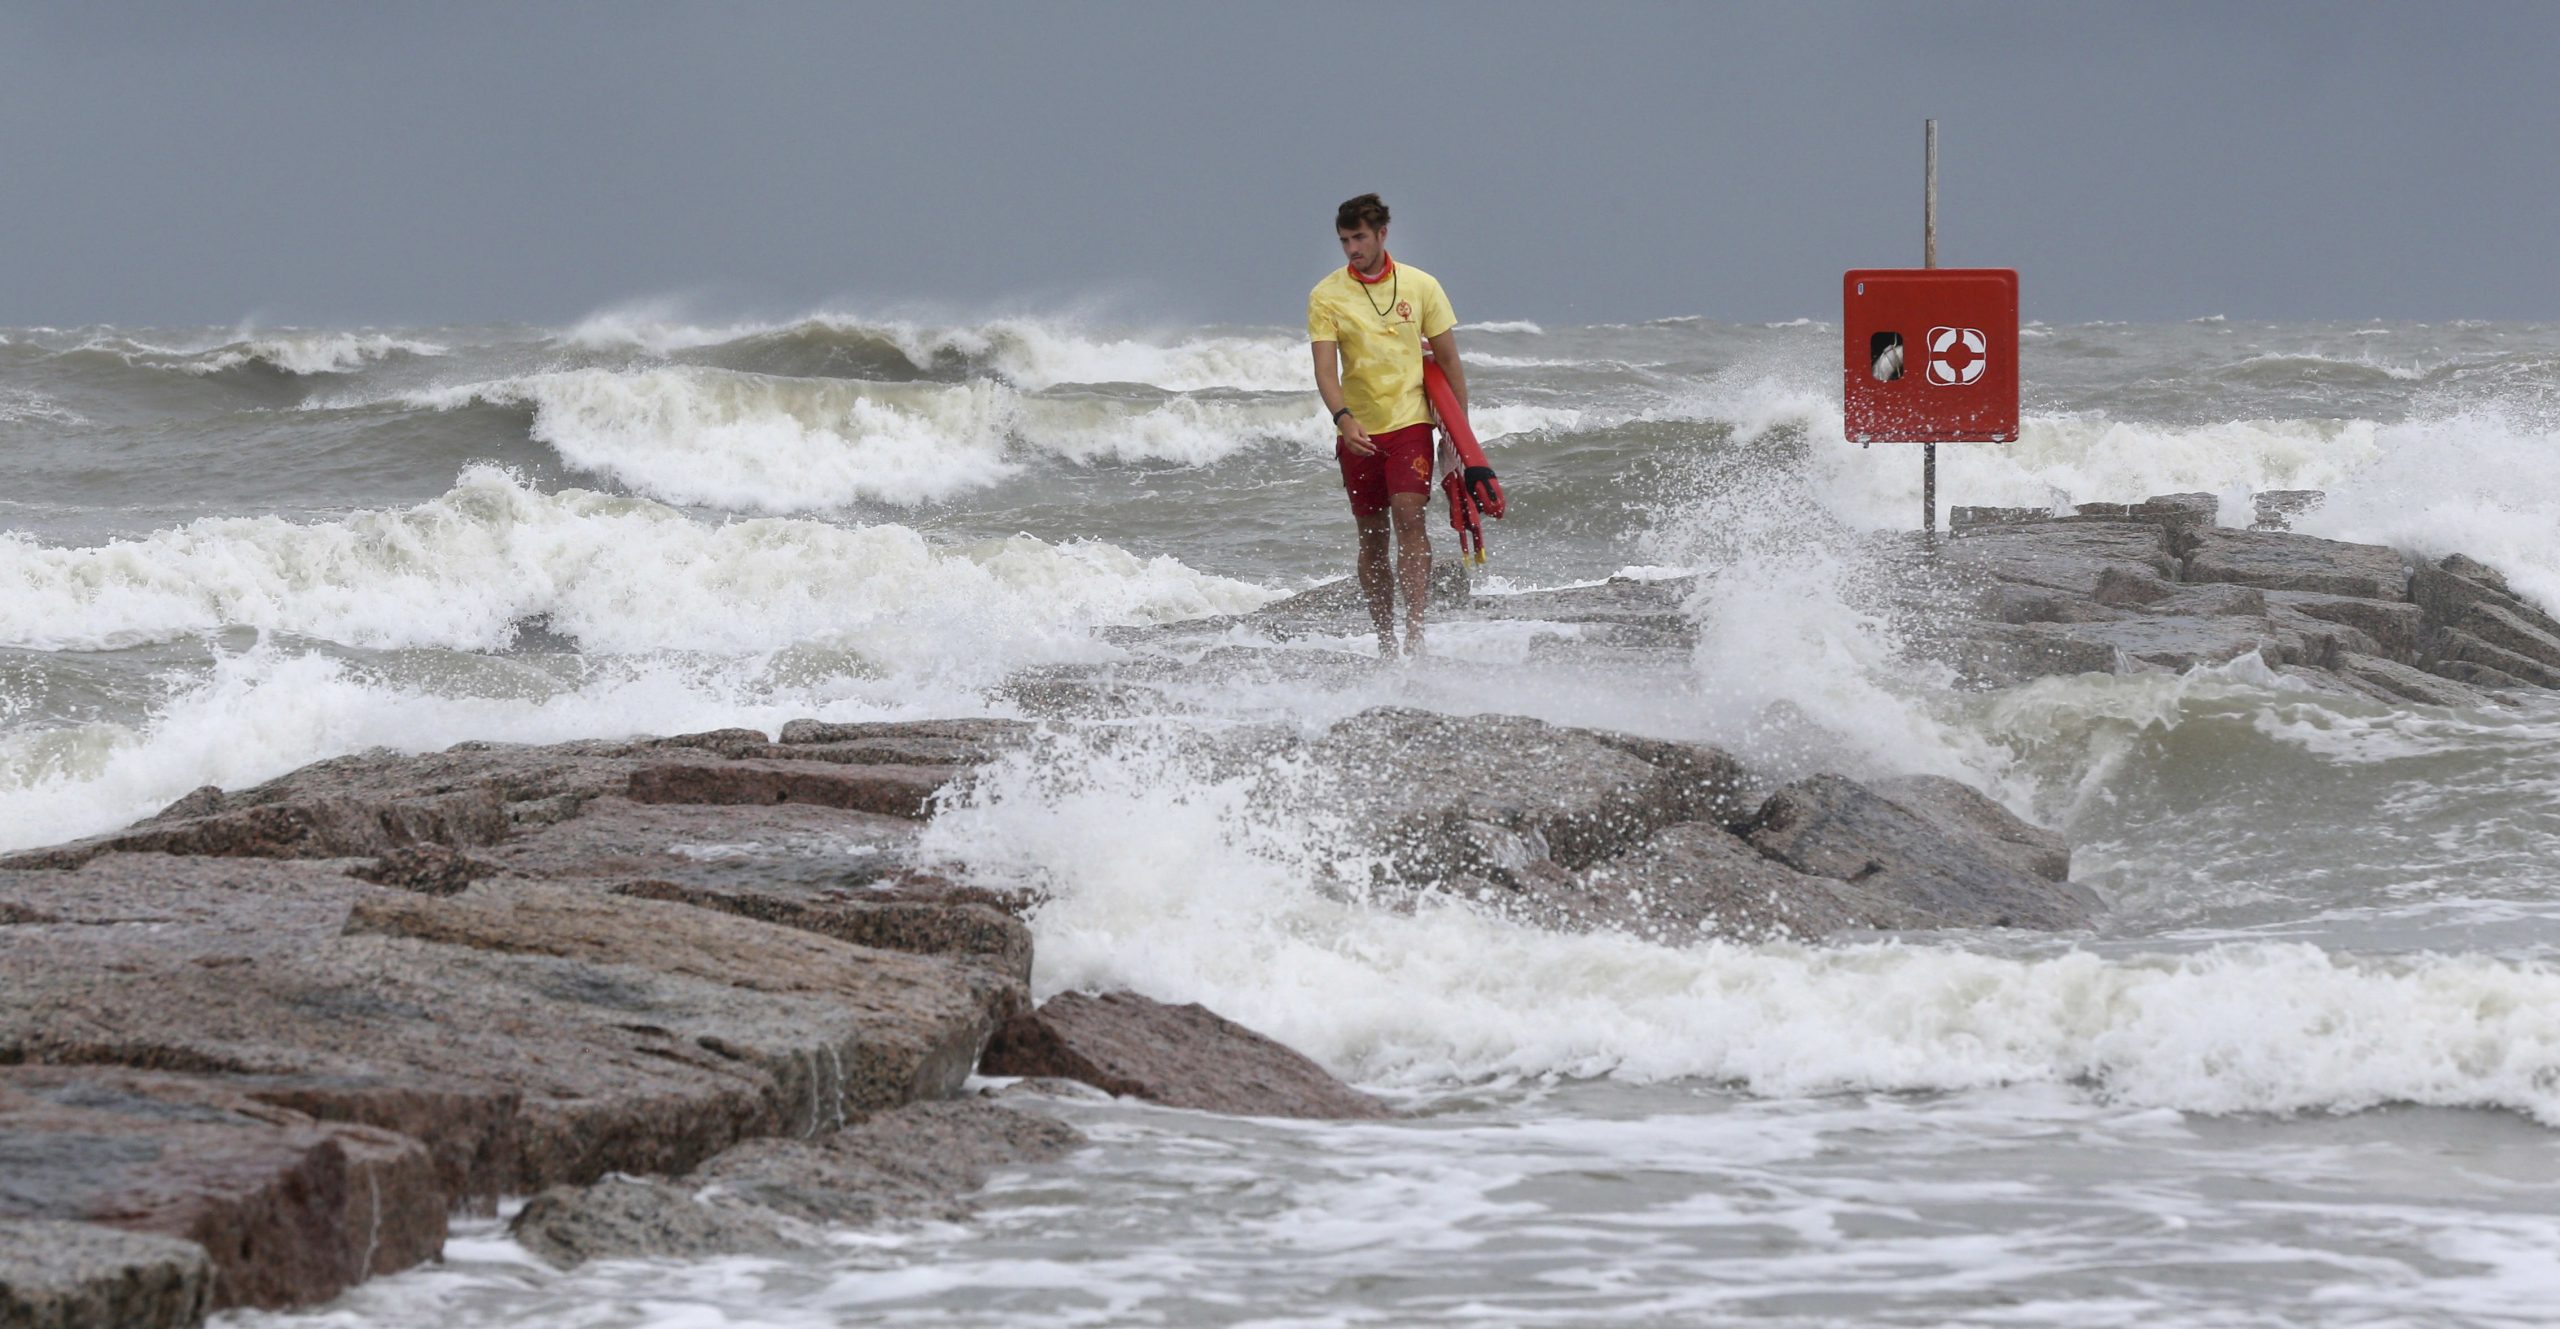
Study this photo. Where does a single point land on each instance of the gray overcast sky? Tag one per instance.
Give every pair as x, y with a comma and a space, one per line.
1567, 162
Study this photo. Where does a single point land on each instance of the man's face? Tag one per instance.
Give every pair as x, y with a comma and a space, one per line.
1363, 246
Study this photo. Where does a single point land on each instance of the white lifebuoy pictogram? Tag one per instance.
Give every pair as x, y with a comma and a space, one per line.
1956, 356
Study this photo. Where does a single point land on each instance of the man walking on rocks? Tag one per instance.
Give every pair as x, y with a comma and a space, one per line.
1369, 320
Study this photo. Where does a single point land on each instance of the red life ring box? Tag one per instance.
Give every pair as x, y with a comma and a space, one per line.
1929, 355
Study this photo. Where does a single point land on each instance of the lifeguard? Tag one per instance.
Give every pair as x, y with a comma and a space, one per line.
1368, 321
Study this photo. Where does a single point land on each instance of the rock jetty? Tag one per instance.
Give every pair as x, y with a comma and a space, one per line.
2012, 594
2158, 586
701, 993
291, 1028
258, 1047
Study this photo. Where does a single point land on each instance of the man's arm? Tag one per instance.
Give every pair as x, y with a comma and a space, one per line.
1329, 387
1444, 348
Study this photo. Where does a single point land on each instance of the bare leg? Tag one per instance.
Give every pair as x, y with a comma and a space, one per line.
1413, 563
1376, 582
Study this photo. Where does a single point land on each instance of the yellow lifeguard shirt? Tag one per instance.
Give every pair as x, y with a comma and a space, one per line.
1381, 351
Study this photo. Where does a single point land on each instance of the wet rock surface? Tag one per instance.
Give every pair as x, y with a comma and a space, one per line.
1494, 795
1831, 827
1822, 856
56, 1275
2157, 587
1181, 1056
1960, 811
2075, 556
774, 1195
627, 1217
2285, 561
292, 1028
628, 1034
286, 1209
1699, 881
1586, 829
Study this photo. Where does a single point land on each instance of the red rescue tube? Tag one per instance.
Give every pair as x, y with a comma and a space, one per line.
1486, 490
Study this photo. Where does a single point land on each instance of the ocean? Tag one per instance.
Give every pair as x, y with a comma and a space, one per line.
2305, 1071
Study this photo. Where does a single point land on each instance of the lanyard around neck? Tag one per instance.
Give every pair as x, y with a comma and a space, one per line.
1386, 272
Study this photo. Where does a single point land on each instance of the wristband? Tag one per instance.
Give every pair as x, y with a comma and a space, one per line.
1341, 411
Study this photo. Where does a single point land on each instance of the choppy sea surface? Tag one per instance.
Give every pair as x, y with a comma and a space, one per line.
2307, 1071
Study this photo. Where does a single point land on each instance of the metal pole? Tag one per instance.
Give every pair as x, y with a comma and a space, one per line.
1929, 246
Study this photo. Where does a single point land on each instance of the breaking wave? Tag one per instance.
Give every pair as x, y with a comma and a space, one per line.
744, 442
290, 353
269, 710
309, 353
2477, 482
1028, 353
615, 574
753, 443
1190, 884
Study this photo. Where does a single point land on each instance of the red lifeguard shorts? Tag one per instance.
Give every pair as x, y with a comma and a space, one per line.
1401, 465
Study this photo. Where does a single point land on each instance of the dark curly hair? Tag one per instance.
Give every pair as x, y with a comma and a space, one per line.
1367, 210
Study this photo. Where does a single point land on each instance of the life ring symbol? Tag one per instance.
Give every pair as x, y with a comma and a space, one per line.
1962, 369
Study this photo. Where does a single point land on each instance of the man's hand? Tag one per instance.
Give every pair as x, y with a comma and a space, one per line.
1356, 438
